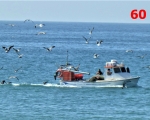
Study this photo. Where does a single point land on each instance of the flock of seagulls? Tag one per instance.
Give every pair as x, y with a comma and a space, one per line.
8, 49
98, 42
87, 41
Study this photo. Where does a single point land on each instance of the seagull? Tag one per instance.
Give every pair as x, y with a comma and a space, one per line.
3, 82
7, 49
76, 68
20, 55
142, 56
50, 48
91, 30
18, 69
86, 40
39, 25
129, 50
99, 42
12, 25
41, 33
95, 55
45, 82
28, 20
13, 77
17, 50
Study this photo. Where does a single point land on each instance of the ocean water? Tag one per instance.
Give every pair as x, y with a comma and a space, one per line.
28, 99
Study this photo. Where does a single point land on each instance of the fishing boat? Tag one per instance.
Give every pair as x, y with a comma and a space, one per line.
115, 74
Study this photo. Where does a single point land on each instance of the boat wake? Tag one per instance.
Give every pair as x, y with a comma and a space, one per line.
60, 85
39, 84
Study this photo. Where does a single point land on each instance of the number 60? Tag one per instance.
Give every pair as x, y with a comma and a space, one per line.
135, 14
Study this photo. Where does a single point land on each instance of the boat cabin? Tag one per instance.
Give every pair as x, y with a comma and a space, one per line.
115, 70
69, 74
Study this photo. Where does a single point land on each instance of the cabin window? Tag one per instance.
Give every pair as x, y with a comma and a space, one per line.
123, 69
117, 70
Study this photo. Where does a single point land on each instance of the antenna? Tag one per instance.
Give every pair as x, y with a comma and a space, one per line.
67, 57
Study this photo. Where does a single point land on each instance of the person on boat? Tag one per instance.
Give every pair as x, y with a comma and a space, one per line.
109, 72
58, 73
99, 72
98, 76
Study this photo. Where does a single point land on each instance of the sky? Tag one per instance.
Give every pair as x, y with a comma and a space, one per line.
74, 11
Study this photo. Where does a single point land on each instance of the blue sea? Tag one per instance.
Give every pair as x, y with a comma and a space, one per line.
28, 99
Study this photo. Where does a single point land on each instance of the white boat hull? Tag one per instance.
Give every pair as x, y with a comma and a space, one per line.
131, 82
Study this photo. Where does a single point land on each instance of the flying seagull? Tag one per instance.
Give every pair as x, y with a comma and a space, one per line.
13, 77
76, 68
7, 49
95, 55
39, 25
86, 40
142, 56
50, 48
20, 55
3, 82
91, 30
45, 82
12, 25
28, 20
18, 69
17, 50
129, 50
99, 42
39, 33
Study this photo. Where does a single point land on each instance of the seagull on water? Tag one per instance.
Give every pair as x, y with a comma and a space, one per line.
7, 49
99, 42
50, 48
91, 30
86, 40
95, 55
